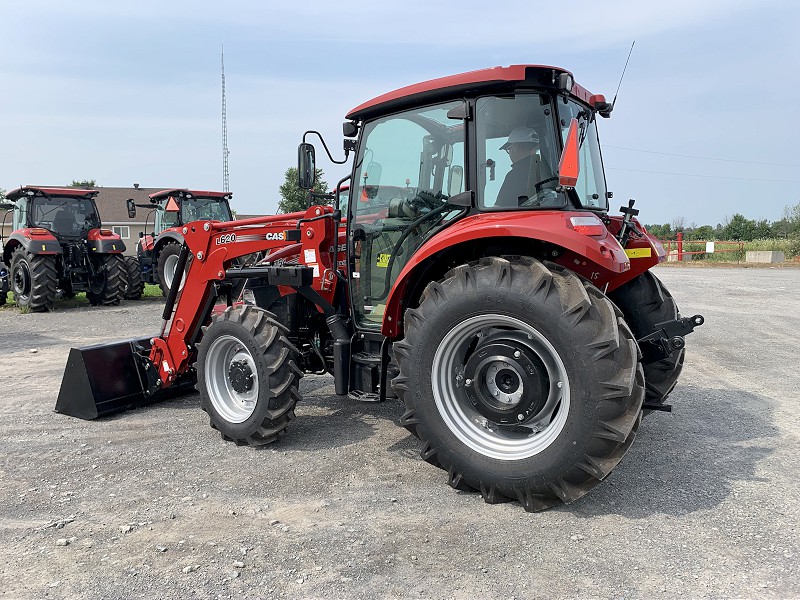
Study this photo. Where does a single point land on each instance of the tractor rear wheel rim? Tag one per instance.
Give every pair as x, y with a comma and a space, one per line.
22, 280
228, 362
471, 421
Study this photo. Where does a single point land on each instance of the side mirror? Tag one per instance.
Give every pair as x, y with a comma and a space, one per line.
306, 167
349, 129
456, 179
569, 165
373, 173
131, 208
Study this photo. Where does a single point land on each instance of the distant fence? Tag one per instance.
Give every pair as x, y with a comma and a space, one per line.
688, 249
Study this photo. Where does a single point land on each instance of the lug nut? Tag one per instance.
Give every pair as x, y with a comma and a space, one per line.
468, 383
517, 354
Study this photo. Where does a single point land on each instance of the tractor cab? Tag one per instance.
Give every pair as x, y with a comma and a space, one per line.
68, 214
174, 208
481, 143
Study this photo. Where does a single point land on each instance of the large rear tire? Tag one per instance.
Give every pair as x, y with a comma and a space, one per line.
135, 287
645, 302
248, 376
521, 380
33, 280
108, 286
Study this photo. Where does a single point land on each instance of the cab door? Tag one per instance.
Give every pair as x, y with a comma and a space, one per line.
408, 165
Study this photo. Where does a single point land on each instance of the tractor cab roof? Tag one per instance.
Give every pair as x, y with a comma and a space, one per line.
50, 192
184, 193
495, 80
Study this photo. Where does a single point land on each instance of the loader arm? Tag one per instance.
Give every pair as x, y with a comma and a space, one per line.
212, 246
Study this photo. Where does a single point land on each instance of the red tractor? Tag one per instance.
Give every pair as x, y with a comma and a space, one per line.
489, 288
59, 246
157, 252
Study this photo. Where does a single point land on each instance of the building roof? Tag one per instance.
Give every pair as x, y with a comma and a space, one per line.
112, 203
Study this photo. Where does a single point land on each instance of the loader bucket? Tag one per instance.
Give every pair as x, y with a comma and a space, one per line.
107, 378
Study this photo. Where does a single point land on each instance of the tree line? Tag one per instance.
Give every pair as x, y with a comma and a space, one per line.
738, 228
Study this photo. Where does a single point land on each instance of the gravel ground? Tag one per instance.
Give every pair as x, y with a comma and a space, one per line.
153, 504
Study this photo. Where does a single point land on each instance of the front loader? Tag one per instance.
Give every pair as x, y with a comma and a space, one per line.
477, 275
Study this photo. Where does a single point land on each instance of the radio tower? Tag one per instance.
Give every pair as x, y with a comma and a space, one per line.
225, 176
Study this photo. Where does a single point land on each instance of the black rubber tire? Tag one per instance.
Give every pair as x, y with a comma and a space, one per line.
109, 290
170, 251
4, 284
135, 287
598, 353
645, 302
274, 357
33, 280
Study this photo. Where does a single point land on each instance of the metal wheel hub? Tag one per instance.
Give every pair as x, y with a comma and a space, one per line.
230, 379
500, 386
508, 379
241, 376
22, 281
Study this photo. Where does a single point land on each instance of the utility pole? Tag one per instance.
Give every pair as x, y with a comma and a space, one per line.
225, 176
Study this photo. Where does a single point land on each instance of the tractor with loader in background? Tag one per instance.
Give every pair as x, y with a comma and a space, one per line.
59, 247
516, 319
157, 252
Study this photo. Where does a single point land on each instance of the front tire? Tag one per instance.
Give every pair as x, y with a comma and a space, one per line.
521, 380
248, 376
33, 280
645, 302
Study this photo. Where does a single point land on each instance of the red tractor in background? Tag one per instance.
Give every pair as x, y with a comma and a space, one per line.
58, 246
488, 288
157, 252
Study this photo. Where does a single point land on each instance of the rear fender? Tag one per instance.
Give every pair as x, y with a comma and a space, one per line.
35, 243
599, 259
100, 242
644, 251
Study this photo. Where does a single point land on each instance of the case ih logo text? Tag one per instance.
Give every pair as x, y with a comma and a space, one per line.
226, 238
277, 236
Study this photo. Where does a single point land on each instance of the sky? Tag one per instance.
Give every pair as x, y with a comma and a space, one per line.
130, 92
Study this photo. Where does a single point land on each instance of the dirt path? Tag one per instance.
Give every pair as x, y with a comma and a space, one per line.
152, 503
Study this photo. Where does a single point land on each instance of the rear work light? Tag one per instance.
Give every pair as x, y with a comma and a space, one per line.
106, 232
39, 231
588, 225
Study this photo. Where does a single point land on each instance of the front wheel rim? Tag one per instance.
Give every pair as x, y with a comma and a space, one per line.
229, 361
524, 436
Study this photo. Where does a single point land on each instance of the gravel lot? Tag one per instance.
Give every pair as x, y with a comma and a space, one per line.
152, 503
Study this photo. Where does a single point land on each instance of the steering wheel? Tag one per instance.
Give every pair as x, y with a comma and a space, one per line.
539, 184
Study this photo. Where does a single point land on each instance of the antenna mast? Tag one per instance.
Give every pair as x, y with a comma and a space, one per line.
225, 175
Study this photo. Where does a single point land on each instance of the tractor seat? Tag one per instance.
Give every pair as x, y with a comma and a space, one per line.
64, 222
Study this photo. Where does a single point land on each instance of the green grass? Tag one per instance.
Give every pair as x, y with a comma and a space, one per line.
150, 291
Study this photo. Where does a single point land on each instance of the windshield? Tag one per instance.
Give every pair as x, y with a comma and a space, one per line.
64, 216
591, 186
518, 153
214, 209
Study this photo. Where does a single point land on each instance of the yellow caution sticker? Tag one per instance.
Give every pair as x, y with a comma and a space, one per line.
639, 252
383, 260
